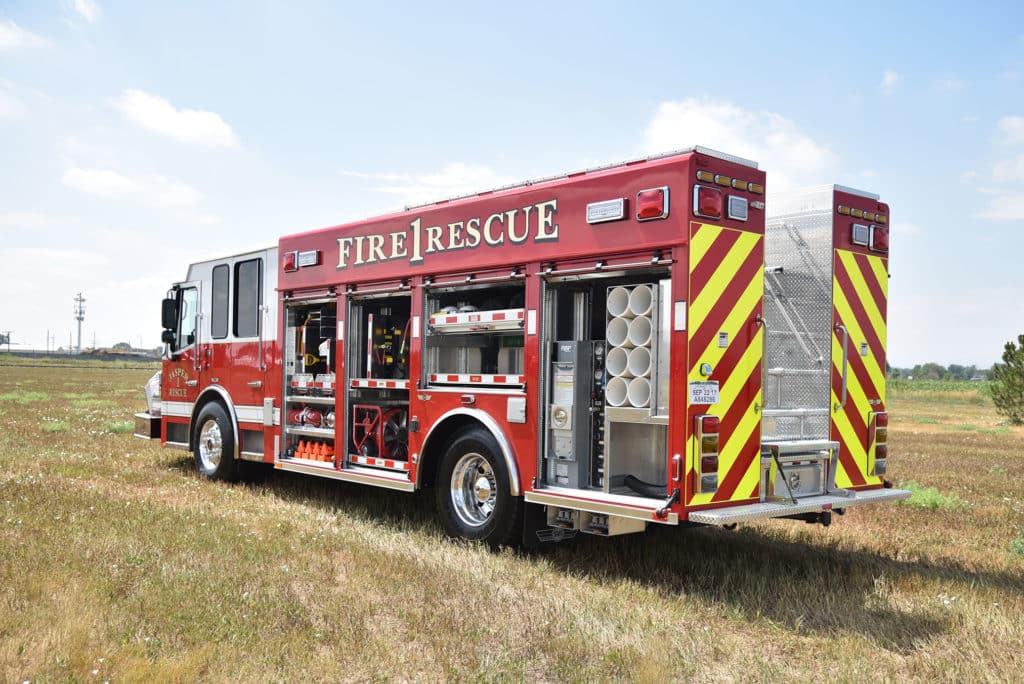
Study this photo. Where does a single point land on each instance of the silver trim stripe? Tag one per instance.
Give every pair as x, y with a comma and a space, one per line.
245, 414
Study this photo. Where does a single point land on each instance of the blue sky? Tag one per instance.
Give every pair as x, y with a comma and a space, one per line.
137, 137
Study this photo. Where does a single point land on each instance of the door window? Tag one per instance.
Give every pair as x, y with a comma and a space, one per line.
187, 321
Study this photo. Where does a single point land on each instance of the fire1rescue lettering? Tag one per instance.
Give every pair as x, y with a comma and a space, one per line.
513, 227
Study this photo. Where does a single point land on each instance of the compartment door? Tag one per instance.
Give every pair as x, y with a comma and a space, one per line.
726, 348
859, 298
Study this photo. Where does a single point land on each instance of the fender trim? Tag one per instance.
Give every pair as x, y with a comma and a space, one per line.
230, 405
492, 426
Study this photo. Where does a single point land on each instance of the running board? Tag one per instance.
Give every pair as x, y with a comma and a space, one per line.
811, 504
370, 476
635, 507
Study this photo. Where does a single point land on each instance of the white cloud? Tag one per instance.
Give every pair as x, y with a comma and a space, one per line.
13, 37
452, 180
27, 220
890, 79
772, 140
10, 104
1009, 170
89, 10
155, 190
949, 85
192, 126
1005, 206
1011, 128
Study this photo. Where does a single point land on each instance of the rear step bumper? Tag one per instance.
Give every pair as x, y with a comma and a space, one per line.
780, 509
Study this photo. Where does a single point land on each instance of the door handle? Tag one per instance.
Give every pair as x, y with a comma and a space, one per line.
255, 384
191, 383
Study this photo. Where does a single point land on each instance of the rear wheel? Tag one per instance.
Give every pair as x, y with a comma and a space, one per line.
214, 443
474, 498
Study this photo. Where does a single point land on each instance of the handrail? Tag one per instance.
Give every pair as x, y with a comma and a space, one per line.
846, 364
760, 320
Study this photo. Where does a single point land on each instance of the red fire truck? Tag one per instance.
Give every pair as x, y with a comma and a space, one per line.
596, 352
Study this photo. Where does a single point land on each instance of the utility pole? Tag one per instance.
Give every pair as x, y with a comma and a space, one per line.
6, 337
79, 316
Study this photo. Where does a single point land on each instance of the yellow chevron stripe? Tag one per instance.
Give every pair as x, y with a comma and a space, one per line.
702, 241
856, 334
737, 318
751, 421
855, 392
730, 391
701, 305
849, 441
728, 455
864, 294
881, 275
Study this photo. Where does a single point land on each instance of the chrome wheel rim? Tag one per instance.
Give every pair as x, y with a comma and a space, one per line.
474, 489
211, 445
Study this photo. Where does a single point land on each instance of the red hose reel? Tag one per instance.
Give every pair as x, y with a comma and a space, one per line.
377, 432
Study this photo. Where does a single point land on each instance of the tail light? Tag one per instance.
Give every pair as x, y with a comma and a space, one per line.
707, 201
878, 431
879, 239
706, 470
652, 204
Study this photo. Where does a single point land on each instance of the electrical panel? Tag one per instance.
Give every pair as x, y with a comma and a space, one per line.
573, 426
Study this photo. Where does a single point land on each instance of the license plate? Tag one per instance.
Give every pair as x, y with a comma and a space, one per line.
703, 392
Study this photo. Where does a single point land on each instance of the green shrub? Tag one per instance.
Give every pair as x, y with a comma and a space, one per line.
930, 498
121, 427
55, 426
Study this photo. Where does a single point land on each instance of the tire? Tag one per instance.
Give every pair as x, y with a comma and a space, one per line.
474, 499
214, 442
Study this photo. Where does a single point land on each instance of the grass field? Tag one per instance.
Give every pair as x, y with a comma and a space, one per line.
118, 563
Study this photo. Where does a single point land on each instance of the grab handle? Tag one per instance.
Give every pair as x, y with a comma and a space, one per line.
846, 364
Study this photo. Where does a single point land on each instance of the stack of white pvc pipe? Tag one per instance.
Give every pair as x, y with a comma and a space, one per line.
628, 334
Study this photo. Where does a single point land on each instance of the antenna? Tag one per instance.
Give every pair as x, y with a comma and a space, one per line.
79, 316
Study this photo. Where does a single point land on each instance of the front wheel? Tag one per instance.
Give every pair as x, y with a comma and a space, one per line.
474, 499
214, 443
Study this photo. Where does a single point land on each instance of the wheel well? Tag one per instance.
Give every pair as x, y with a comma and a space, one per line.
440, 437
210, 398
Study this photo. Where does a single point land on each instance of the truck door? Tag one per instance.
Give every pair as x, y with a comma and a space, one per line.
182, 381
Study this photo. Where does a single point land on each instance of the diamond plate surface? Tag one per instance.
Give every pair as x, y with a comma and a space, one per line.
736, 514
798, 311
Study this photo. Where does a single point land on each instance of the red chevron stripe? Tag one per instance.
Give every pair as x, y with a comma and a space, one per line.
859, 428
726, 304
712, 258
857, 366
857, 307
750, 448
750, 451
864, 264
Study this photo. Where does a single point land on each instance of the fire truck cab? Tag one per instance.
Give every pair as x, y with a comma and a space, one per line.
595, 352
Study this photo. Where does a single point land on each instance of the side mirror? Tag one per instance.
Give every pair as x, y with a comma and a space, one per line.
169, 315
168, 337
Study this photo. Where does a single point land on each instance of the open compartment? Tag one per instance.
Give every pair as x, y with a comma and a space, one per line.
310, 381
606, 382
474, 335
378, 338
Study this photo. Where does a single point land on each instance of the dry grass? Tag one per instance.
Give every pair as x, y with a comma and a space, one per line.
116, 562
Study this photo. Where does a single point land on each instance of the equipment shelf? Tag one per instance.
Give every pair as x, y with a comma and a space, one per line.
498, 320
309, 399
323, 433
373, 383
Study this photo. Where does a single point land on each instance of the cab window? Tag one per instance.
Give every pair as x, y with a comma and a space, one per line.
187, 317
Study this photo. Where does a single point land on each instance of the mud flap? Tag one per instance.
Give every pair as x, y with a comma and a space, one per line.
537, 533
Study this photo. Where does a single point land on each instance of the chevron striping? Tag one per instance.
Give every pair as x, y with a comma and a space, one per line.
862, 301
705, 294
740, 314
702, 237
730, 299
845, 314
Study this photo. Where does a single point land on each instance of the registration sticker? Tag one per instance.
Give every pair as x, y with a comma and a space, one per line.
704, 392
